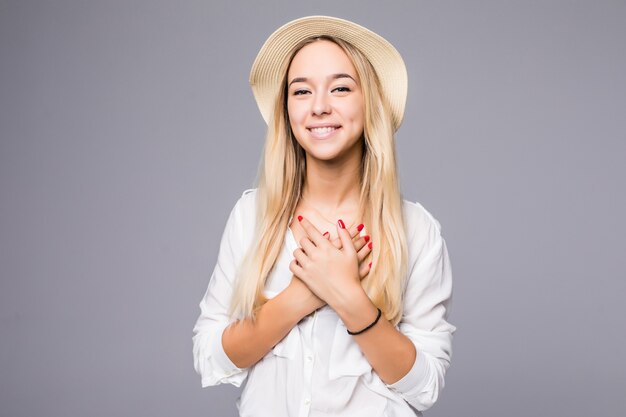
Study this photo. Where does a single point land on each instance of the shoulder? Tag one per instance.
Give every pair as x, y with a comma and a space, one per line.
247, 201
241, 221
245, 204
422, 228
417, 217
243, 211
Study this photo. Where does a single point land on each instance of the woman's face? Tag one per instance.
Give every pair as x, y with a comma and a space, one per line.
325, 101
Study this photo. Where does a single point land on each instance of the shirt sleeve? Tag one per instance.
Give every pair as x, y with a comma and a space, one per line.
210, 360
427, 301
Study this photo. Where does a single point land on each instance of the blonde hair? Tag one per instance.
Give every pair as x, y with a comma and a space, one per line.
280, 181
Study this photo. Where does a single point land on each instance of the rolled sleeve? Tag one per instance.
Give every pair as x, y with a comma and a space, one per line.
210, 359
415, 380
427, 301
214, 366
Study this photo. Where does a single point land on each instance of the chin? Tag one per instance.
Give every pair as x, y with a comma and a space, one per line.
323, 157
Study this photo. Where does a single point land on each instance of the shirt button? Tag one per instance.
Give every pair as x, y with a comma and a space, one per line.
309, 358
307, 401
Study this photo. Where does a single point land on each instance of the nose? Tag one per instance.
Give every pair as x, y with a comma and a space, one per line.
321, 104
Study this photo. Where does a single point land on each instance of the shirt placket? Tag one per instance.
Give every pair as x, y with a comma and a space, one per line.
309, 361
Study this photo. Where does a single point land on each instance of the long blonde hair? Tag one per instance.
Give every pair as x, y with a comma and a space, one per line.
280, 181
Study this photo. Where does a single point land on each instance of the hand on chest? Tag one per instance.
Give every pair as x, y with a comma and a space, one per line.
321, 222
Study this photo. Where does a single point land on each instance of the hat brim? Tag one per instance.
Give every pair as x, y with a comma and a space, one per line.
266, 74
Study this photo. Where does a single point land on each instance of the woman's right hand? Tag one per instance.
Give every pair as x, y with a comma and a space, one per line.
362, 247
311, 302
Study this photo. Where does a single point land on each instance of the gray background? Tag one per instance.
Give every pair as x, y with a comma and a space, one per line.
128, 131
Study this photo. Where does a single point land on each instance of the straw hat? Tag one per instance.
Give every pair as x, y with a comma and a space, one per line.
270, 63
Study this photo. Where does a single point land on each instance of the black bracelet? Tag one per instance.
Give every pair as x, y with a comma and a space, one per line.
368, 327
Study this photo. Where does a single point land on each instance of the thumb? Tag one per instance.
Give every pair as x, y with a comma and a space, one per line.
346, 240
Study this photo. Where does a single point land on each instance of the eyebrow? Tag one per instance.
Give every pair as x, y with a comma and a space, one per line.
332, 77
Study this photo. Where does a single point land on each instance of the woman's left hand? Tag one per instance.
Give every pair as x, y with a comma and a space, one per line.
331, 273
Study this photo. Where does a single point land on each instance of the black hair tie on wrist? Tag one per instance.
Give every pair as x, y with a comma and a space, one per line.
368, 327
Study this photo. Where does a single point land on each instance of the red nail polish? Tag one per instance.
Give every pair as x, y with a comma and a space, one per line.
299, 218
360, 227
367, 238
370, 264
343, 226
369, 245
326, 234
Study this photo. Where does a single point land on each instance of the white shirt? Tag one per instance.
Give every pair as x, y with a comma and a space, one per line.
318, 369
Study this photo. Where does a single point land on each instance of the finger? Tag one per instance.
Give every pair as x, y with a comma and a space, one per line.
300, 256
360, 242
307, 245
364, 250
364, 269
354, 234
356, 230
344, 235
296, 269
312, 232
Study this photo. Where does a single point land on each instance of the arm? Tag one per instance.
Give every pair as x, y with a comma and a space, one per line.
210, 360
413, 359
427, 304
379, 343
217, 338
331, 273
223, 349
246, 341
421, 349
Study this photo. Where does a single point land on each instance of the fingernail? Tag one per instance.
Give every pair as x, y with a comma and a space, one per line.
299, 218
370, 264
367, 238
360, 227
369, 245
326, 234
343, 226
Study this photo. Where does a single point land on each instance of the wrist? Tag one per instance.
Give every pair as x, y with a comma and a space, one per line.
372, 324
357, 311
296, 305
302, 301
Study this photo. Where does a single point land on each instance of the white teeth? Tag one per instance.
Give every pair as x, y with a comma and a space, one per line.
322, 130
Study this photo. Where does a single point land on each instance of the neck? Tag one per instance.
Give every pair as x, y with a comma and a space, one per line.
332, 186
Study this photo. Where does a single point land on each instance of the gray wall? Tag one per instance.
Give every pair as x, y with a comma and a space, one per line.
128, 131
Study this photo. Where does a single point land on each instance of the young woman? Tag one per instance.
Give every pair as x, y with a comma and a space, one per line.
331, 293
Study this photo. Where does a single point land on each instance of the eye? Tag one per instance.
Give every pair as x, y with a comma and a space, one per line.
341, 89
300, 92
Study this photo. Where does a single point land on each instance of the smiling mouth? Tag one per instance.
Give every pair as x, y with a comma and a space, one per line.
323, 130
